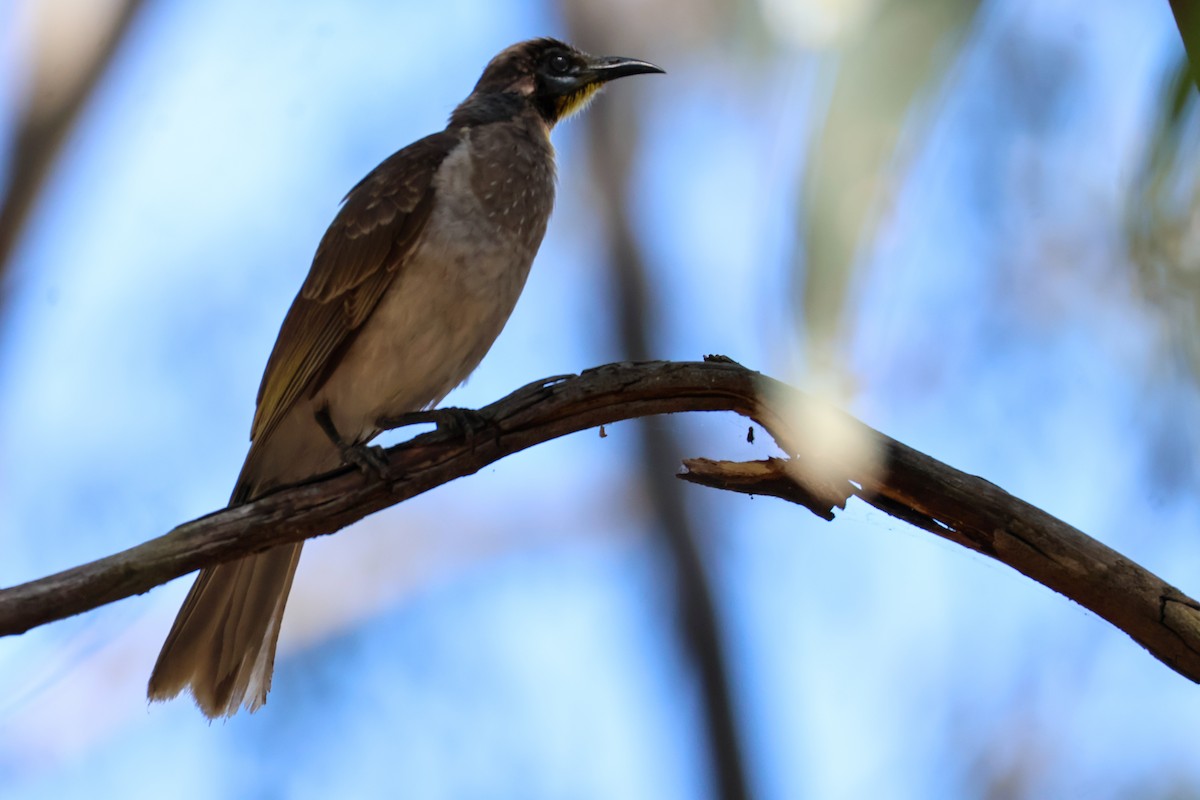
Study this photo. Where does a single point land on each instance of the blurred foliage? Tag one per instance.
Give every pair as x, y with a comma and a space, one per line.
883, 67
1163, 215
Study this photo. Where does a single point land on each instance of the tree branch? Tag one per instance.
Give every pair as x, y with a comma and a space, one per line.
910, 485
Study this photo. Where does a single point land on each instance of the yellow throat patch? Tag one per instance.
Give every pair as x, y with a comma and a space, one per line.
576, 101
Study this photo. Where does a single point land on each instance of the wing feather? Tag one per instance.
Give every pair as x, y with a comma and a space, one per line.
367, 244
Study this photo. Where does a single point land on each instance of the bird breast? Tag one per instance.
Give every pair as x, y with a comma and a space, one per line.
452, 296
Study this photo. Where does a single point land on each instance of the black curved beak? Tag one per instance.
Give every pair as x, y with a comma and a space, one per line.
602, 69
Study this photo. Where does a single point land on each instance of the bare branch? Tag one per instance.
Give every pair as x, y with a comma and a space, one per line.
911, 486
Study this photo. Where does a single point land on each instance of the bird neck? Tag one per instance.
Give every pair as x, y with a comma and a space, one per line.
486, 108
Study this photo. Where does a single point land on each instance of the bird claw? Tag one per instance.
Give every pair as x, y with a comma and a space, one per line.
370, 459
464, 422
454, 421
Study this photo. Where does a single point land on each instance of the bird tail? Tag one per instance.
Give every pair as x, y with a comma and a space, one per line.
222, 645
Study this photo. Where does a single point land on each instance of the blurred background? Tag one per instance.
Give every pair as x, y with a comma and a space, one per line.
974, 225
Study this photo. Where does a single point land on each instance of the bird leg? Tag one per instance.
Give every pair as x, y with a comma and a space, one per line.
369, 459
462, 422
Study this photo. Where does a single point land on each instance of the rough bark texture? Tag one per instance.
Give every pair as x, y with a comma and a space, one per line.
909, 485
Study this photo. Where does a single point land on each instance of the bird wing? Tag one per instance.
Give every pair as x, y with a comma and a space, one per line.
369, 241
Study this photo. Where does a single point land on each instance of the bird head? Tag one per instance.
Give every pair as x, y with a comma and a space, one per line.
555, 78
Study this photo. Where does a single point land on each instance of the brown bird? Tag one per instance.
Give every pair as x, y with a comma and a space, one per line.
409, 287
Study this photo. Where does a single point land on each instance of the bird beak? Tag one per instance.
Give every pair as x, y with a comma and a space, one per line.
602, 69
577, 90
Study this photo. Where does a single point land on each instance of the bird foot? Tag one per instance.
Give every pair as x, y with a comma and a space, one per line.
462, 422
369, 458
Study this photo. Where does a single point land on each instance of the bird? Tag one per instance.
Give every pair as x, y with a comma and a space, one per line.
409, 287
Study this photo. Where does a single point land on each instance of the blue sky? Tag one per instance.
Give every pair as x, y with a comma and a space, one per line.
512, 635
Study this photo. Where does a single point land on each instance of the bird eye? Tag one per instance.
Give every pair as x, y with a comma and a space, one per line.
559, 64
